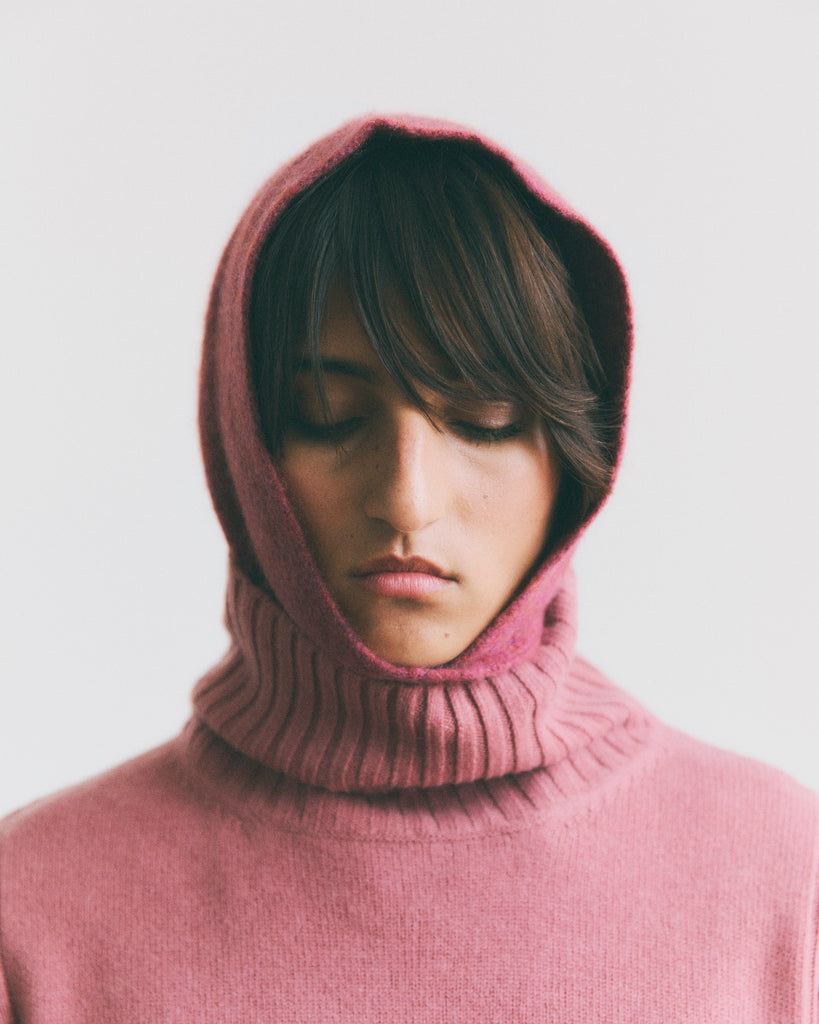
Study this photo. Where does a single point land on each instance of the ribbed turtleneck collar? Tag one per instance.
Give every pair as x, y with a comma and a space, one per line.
284, 703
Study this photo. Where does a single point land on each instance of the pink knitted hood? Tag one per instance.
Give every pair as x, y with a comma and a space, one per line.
267, 546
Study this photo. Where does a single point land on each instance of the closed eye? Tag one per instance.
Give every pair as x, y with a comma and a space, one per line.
480, 434
328, 433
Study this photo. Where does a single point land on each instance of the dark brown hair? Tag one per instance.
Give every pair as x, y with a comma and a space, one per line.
443, 231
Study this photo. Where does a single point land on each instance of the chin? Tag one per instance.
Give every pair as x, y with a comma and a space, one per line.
414, 652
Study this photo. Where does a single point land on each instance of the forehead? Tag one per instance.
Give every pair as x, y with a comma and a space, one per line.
343, 339
342, 335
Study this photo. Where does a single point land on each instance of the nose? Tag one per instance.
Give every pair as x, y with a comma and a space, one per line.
407, 474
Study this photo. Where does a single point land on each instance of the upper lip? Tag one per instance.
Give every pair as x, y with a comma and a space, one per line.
394, 563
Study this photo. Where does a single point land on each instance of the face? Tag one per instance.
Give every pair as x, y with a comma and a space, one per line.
423, 525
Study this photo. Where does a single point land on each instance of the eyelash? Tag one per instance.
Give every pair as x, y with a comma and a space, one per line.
487, 435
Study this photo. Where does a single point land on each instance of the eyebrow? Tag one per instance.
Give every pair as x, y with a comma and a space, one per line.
360, 371
343, 367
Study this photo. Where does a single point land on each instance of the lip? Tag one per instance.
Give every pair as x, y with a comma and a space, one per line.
396, 564
392, 576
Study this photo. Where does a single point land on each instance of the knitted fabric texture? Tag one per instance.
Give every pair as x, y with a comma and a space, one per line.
332, 838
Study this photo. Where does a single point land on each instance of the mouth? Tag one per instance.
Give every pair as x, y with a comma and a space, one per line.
392, 576
396, 564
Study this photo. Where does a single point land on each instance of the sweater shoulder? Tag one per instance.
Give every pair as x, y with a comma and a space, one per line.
704, 764
148, 788
722, 791
704, 780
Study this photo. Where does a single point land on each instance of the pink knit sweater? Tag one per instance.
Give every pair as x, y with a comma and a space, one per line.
509, 838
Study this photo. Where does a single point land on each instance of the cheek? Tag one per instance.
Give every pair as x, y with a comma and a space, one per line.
515, 511
315, 497
521, 488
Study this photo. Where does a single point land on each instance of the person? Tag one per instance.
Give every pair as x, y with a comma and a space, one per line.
402, 795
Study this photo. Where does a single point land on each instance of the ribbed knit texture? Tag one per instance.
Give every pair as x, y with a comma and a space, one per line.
507, 839
279, 699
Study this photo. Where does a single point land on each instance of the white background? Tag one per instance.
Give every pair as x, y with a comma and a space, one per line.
133, 135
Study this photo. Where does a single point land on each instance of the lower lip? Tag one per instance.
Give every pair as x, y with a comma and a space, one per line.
404, 584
